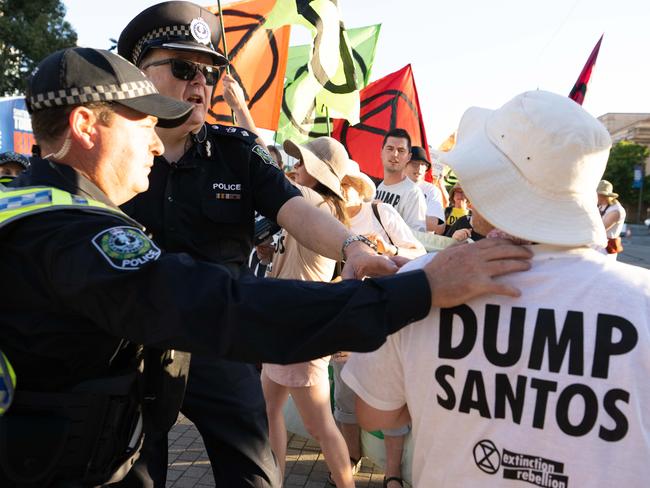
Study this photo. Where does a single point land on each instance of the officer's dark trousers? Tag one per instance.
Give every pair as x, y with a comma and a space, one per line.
224, 400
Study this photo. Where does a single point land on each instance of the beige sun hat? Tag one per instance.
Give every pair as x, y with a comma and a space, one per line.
325, 159
363, 181
531, 166
606, 189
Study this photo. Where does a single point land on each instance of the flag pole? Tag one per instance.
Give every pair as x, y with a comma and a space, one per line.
225, 49
327, 119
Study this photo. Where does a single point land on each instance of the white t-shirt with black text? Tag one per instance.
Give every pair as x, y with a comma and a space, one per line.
433, 197
550, 389
407, 199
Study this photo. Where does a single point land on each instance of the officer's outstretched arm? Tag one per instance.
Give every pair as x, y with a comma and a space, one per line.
322, 233
119, 280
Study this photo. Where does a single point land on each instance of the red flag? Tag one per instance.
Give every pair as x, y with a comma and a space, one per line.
387, 103
580, 88
258, 58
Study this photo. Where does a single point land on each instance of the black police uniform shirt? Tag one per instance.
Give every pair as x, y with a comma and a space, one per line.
204, 203
69, 299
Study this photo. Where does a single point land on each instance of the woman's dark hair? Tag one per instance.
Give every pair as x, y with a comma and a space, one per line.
334, 201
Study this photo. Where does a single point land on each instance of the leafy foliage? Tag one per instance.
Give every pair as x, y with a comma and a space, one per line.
624, 156
29, 31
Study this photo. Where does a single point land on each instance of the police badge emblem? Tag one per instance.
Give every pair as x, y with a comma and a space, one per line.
265, 155
200, 30
125, 248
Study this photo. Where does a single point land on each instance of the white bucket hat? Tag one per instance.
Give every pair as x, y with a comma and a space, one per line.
532, 166
367, 186
325, 159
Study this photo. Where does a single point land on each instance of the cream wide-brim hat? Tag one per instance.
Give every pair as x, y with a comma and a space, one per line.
606, 189
361, 180
325, 159
532, 166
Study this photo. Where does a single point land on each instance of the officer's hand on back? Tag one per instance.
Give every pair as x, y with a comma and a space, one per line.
460, 273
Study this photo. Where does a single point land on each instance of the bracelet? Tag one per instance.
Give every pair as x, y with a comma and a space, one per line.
350, 239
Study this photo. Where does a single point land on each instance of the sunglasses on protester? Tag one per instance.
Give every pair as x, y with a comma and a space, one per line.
186, 70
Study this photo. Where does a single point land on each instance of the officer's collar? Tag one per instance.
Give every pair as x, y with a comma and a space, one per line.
64, 177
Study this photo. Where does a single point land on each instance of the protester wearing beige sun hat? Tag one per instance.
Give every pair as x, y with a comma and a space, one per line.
613, 215
321, 166
384, 226
378, 221
324, 158
572, 349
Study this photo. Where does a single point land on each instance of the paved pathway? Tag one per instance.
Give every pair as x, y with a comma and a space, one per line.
190, 468
636, 248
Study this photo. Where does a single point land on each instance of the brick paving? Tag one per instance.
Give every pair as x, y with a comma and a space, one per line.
189, 466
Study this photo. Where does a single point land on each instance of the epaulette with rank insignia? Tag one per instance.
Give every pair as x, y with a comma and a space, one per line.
233, 131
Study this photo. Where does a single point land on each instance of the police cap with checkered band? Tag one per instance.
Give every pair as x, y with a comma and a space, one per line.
177, 25
77, 76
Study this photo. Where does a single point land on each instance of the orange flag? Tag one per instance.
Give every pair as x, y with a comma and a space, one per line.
258, 61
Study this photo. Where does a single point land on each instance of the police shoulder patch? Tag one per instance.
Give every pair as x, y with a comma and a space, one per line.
265, 155
125, 248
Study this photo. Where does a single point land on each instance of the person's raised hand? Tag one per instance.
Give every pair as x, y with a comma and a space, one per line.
233, 94
460, 273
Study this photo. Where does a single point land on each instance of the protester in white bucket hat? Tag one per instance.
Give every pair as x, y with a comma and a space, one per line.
550, 386
531, 167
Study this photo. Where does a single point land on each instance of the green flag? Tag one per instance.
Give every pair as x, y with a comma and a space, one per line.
363, 41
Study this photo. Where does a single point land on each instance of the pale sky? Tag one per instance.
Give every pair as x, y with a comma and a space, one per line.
472, 52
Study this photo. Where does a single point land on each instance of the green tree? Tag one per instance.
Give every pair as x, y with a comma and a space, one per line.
29, 31
623, 157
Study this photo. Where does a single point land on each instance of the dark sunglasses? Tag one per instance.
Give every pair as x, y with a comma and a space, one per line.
186, 70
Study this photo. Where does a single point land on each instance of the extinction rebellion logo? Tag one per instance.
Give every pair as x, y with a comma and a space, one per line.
535, 470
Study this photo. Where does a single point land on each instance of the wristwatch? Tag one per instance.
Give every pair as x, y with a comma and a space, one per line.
350, 239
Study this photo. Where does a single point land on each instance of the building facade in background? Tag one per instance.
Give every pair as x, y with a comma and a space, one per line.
629, 127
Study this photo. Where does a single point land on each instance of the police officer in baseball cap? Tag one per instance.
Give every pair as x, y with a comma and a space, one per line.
11, 165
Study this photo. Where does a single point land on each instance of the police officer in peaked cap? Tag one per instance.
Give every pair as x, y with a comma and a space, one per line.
88, 285
204, 192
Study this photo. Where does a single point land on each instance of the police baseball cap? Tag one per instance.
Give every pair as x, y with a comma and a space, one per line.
419, 154
177, 25
80, 75
14, 157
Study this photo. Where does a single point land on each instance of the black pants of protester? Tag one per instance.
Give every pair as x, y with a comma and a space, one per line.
224, 400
